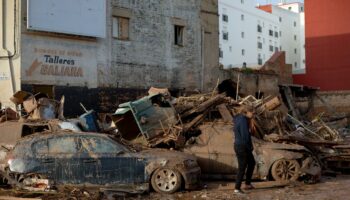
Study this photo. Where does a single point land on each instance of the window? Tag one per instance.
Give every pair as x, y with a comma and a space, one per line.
225, 18
99, 145
280, 19
259, 29
276, 34
179, 35
280, 48
271, 32
230, 49
243, 52
295, 24
221, 53
301, 9
60, 145
259, 59
120, 28
259, 45
295, 37
280, 33
242, 17
304, 61
295, 51
295, 64
242, 34
289, 8
225, 35
242, 1
276, 49
271, 48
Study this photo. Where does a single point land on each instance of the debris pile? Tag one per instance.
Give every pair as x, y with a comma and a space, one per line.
271, 116
39, 106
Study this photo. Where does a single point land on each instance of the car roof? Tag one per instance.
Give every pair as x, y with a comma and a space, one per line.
47, 134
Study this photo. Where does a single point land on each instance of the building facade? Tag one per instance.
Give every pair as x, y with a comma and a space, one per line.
119, 50
251, 35
327, 41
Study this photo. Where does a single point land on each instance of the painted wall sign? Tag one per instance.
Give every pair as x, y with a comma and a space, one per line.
49, 61
55, 63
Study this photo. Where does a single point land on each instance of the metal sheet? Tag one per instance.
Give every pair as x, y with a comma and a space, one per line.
78, 17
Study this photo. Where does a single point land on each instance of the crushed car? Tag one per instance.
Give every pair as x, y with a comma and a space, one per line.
48, 160
274, 161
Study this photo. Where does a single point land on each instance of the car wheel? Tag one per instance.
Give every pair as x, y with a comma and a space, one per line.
166, 180
285, 170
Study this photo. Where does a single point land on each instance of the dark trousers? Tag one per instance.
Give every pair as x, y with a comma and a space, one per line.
246, 164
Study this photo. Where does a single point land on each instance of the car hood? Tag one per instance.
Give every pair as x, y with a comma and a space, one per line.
280, 146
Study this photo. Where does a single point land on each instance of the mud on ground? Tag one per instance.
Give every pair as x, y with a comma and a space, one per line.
330, 188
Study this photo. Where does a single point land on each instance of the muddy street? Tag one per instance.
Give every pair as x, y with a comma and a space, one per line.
329, 188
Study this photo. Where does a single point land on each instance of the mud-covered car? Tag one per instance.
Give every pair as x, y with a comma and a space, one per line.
282, 162
91, 159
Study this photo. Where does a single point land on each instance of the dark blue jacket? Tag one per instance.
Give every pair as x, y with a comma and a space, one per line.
243, 140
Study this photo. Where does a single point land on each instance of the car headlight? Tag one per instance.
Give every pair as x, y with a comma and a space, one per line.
190, 163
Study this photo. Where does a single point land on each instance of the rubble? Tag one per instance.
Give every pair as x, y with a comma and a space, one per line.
277, 119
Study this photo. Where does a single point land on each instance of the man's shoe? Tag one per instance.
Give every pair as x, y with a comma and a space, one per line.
248, 187
236, 191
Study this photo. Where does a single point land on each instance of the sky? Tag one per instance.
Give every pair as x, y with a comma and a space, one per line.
275, 1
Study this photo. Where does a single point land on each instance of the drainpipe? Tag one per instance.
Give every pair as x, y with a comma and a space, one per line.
2, 28
5, 53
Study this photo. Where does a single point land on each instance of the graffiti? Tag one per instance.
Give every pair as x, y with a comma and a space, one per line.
56, 62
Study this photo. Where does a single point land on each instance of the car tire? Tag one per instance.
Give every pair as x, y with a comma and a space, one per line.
285, 170
166, 180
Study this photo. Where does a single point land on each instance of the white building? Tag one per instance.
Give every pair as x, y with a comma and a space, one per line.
292, 27
251, 35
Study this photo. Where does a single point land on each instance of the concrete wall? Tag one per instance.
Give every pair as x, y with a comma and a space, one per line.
338, 100
253, 82
9, 50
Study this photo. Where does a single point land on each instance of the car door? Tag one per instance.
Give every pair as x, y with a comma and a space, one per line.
64, 150
44, 162
113, 164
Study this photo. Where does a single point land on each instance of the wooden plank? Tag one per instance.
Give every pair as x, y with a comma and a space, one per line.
225, 113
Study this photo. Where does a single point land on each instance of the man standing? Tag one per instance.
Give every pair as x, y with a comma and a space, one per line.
243, 147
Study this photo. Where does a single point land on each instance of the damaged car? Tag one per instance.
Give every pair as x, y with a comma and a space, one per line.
97, 160
274, 161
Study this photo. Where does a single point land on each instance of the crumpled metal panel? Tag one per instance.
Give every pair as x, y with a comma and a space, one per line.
152, 119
